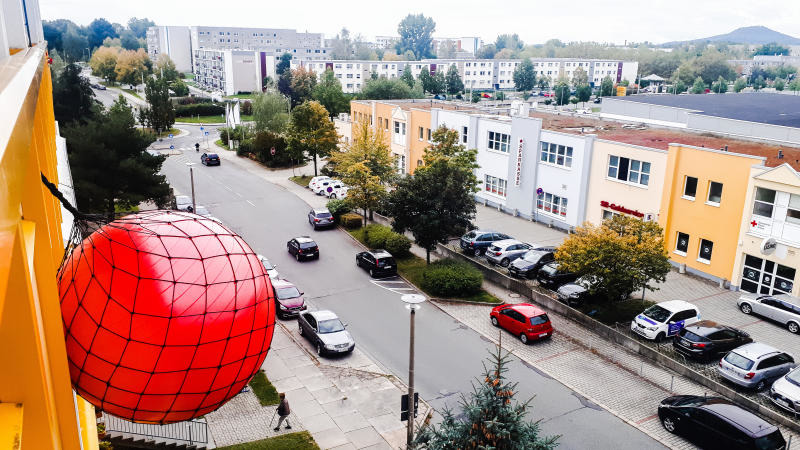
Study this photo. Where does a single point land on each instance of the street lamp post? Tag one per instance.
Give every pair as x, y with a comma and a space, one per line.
412, 303
191, 179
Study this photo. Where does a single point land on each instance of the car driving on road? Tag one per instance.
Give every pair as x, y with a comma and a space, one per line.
210, 159
377, 263
326, 332
302, 247
271, 269
755, 365
524, 320
664, 319
288, 299
714, 422
706, 340
320, 217
783, 309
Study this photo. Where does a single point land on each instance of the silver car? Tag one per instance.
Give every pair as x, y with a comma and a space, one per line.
183, 203
326, 332
755, 365
504, 252
785, 391
272, 269
783, 308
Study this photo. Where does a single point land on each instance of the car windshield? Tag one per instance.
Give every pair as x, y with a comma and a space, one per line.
202, 210
385, 262
330, 326
794, 377
267, 265
308, 244
657, 313
287, 292
324, 215
540, 319
772, 441
688, 335
738, 360
532, 256
550, 269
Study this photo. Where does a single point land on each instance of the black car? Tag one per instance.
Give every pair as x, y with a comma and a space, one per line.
706, 340
550, 276
528, 266
320, 217
714, 422
303, 247
209, 159
377, 263
477, 241
576, 292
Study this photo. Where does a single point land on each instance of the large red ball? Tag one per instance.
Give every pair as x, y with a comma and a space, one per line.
167, 316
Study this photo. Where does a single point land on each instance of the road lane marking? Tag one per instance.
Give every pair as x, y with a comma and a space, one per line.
248, 201
240, 195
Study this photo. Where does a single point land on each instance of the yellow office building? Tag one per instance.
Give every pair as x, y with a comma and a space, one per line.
38, 408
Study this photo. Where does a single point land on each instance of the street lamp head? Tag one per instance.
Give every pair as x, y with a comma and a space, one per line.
413, 298
189, 164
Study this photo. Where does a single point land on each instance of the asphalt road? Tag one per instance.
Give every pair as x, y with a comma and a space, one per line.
449, 355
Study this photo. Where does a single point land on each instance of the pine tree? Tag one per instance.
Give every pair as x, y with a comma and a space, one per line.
492, 418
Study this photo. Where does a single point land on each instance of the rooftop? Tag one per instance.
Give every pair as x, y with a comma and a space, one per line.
773, 109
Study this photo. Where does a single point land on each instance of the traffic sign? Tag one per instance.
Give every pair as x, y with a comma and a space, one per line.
206, 133
171, 136
272, 151
172, 147
404, 406
202, 128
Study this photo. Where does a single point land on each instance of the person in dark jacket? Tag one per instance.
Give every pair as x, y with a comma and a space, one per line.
283, 412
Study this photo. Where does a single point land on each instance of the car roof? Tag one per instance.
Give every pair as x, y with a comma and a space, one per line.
303, 239
211, 154
321, 210
787, 298
324, 315
479, 231
738, 416
755, 350
282, 283
507, 242
676, 305
705, 327
528, 309
183, 197
379, 253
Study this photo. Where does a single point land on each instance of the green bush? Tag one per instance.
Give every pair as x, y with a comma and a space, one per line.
398, 245
375, 235
351, 220
338, 207
450, 278
199, 109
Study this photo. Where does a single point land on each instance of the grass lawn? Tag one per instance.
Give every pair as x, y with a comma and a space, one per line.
221, 144
264, 390
173, 131
291, 441
301, 180
412, 267
242, 96
201, 119
612, 312
188, 76
133, 93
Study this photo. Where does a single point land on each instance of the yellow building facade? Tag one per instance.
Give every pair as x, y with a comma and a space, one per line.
38, 408
701, 207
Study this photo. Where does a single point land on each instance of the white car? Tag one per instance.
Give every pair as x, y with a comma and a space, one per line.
321, 187
314, 181
272, 270
337, 190
183, 202
664, 319
203, 211
785, 392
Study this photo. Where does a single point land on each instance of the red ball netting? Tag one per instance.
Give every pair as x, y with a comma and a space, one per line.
167, 315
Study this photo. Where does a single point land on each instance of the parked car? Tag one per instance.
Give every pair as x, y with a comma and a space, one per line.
576, 292
320, 217
529, 264
302, 247
288, 299
314, 181
706, 340
755, 365
210, 159
321, 187
203, 211
183, 203
337, 190
714, 422
664, 319
785, 392
504, 252
551, 277
783, 309
476, 242
377, 263
271, 269
326, 332
526, 321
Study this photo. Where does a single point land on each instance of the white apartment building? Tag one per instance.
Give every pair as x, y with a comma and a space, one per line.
273, 41
232, 71
596, 69
173, 42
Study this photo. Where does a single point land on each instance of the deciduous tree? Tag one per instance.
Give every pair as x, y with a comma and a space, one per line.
139, 26
302, 85
579, 77
607, 87
426, 79
720, 86
561, 92
407, 76
366, 190
779, 84
438, 83
160, 115
416, 35
284, 63
104, 63
98, 30
329, 93
312, 132
132, 66
271, 112
383, 89
166, 68
524, 76
369, 146
739, 84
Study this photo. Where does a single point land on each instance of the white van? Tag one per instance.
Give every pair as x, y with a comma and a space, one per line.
664, 319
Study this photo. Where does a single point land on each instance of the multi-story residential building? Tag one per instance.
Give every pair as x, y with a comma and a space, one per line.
173, 42
596, 69
273, 41
746, 66
232, 71
38, 408
386, 41
768, 256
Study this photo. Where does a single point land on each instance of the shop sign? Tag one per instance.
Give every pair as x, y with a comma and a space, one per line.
768, 246
622, 209
518, 177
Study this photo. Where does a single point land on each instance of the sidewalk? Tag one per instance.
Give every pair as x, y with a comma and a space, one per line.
345, 403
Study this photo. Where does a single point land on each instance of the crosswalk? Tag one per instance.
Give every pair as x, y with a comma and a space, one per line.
396, 285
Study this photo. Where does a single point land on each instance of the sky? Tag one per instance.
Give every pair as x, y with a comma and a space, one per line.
535, 21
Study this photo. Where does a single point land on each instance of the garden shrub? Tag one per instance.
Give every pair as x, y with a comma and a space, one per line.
199, 109
338, 207
450, 278
398, 245
375, 235
351, 221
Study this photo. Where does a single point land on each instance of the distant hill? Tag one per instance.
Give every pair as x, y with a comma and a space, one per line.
746, 35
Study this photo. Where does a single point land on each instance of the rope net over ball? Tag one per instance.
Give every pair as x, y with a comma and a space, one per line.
167, 315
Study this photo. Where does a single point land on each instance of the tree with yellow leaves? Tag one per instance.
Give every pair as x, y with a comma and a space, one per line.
104, 62
132, 66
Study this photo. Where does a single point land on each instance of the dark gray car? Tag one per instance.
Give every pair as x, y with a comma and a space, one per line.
476, 242
320, 217
326, 332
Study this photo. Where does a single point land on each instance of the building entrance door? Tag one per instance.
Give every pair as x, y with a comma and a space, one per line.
766, 277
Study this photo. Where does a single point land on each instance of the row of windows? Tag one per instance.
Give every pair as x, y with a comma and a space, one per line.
704, 252
494, 185
560, 155
423, 132
552, 204
713, 192
498, 141
764, 205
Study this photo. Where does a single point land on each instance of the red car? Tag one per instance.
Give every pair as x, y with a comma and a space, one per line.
288, 299
527, 321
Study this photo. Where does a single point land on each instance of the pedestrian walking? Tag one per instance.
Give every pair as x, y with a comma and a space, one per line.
283, 412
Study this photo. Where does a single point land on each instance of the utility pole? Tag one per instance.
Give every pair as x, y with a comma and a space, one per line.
412, 303
191, 179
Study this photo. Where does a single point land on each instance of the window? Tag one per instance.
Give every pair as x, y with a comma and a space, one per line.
793, 212
552, 204
498, 141
690, 188
714, 193
464, 133
682, 244
630, 170
706, 247
421, 133
495, 185
764, 202
608, 215
560, 155
429, 138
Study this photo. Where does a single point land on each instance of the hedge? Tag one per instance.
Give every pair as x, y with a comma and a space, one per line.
375, 235
199, 109
338, 207
450, 278
398, 245
351, 220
